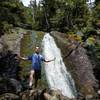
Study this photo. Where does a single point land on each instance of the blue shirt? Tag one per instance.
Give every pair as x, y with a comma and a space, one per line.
36, 61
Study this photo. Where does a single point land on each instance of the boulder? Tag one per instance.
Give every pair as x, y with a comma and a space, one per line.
9, 96
9, 85
45, 94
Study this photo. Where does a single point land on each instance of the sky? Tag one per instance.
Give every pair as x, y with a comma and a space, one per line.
26, 2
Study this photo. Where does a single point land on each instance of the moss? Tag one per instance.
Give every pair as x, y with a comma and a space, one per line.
40, 35
25, 51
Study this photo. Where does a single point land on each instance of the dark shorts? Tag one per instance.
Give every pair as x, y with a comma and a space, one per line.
37, 74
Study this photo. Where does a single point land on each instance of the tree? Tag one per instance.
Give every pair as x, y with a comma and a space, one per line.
96, 15
13, 13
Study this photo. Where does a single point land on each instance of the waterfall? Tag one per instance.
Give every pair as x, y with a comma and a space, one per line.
57, 75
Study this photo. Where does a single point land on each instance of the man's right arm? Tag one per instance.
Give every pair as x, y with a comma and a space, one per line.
23, 58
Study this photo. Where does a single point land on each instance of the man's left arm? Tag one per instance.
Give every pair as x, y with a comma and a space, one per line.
45, 60
49, 60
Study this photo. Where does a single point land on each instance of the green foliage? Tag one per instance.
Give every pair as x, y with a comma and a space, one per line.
96, 16
6, 27
97, 48
61, 15
13, 13
26, 51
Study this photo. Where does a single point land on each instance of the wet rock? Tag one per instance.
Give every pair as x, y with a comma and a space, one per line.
89, 97
3, 44
12, 41
55, 95
42, 95
9, 96
31, 95
78, 64
8, 85
9, 65
1, 47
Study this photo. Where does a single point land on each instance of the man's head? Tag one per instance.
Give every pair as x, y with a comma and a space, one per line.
37, 49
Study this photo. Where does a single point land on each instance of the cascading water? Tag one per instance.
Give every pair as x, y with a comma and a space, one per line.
56, 73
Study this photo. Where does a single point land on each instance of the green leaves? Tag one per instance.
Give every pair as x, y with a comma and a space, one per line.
58, 14
13, 12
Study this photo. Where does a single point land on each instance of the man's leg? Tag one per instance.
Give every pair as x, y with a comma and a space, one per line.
36, 80
37, 77
32, 72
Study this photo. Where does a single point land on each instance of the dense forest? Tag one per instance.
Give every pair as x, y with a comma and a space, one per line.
66, 15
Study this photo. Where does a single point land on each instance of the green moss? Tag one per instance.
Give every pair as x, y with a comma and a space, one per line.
40, 35
25, 51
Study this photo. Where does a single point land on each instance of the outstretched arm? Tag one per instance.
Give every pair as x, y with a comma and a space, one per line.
49, 60
23, 58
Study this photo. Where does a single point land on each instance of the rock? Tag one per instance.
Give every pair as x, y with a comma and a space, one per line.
9, 96
98, 92
9, 65
30, 95
42, 95
3, 44
89, 97
8, 85
12, 41
56, 94
49, 97
1, 47
16, 84
78, 63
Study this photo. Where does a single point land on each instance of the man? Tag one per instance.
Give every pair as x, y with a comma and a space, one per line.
36, 59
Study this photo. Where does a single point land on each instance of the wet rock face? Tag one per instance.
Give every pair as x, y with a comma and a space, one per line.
37, 94
3, 45
42, 95
9, 96
9, 85
84, 68
9, 65
78, 64
9, 73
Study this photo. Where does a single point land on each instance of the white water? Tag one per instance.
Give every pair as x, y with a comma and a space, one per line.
57, 75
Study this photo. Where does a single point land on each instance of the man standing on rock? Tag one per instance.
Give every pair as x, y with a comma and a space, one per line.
36, 59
